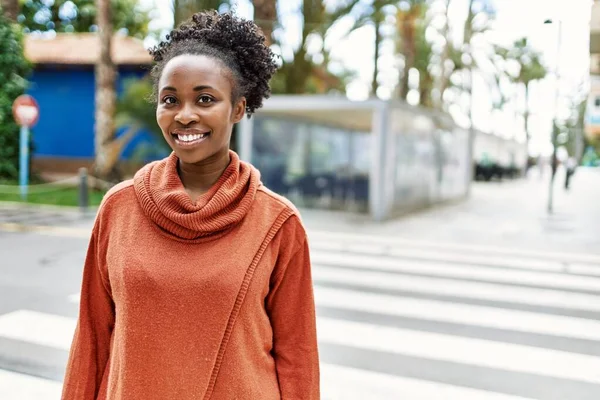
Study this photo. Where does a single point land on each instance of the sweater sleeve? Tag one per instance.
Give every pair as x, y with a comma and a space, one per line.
291, 308
88, 357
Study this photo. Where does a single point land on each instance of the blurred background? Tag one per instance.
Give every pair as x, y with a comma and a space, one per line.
444, 155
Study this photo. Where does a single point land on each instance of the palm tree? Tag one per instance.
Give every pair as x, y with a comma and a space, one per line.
408, 17
529, 68
476, 24
184, 9
302, 74
265, 15
373, 14
422, 63
10, 9
444, 80
105, 95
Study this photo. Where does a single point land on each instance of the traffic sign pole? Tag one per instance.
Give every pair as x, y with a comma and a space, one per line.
24, 162
26, 113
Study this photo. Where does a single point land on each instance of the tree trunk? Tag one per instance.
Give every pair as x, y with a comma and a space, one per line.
425, 87
177, 12
467, 41
377, 19
10, 8
469, 24
105, 93
445, 78
298, 72
408, 32
265, 16
526, 115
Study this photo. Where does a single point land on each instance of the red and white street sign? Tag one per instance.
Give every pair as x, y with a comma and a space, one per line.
26, 111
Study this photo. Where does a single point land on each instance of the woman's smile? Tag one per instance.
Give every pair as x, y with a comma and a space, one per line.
189, 138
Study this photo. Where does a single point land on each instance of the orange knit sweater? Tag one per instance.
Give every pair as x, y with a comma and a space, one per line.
182, 301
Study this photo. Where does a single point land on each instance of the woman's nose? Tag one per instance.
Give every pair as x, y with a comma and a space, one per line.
186, 115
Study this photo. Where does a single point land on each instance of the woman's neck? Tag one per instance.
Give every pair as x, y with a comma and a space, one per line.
198, 178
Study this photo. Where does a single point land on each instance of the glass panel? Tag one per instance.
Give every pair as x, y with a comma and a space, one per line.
430, 160
312, 164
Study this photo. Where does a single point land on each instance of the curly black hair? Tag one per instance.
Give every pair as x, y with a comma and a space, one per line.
239, 44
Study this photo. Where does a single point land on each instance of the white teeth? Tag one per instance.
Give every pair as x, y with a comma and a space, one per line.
190, 138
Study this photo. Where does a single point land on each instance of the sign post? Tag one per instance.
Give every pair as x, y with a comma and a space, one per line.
26, 113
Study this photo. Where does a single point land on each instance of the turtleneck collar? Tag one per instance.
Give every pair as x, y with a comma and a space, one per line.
164, 200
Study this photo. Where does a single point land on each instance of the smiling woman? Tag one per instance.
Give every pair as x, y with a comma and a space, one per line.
208, 74
196, 111
197, 283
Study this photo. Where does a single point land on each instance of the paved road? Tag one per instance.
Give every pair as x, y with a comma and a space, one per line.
396, 320
400, 316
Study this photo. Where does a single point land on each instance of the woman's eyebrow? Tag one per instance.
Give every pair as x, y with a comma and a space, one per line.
196, 89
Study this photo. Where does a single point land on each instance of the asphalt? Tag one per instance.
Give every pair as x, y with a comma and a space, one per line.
489, 299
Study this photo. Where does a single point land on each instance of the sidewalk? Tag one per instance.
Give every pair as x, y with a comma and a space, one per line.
509, 214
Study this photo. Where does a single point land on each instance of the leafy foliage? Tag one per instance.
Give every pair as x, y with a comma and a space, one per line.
528, 62
409, 19
184, 9
80, 16
302, 74
523, 65
136, 111
14, 69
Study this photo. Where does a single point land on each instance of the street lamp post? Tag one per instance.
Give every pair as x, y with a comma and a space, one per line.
553, 160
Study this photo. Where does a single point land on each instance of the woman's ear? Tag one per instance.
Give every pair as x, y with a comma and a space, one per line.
239, 110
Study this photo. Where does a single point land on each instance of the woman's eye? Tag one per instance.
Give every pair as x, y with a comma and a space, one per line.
205, 99
169, 100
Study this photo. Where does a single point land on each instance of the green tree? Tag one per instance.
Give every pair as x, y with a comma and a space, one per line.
462, 57
571, 129
136, 110
367, 14
13, 72
423, 63
293, 76
11, 8
184, 9
409, 19
265, 15
524, 66
80, 16
302, 74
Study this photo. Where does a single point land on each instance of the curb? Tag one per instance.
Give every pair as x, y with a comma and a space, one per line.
12, 205
46, 230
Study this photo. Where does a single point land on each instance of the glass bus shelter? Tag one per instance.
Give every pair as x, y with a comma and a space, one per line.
378, 157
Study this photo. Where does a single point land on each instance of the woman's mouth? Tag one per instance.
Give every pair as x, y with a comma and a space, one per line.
189, 139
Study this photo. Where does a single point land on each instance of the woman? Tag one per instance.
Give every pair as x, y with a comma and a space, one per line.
197, 281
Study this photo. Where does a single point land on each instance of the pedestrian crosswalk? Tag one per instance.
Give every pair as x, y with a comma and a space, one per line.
415, 321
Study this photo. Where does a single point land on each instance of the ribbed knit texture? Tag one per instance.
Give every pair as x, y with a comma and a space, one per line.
165, 201
206, 301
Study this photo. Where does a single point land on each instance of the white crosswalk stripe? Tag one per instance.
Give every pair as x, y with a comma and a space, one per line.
465, 314
418, 293
460, 350
549, 279
39, 328
350, 383
451, 287
14, 386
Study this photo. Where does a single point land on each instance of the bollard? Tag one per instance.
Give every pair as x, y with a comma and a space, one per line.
83, 190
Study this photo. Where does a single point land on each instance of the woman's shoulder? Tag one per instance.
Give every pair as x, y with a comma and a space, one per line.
268, 198
117, 197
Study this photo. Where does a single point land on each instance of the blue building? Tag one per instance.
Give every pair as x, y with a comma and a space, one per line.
63, 84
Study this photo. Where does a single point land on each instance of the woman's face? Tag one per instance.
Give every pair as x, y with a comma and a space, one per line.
195, 111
